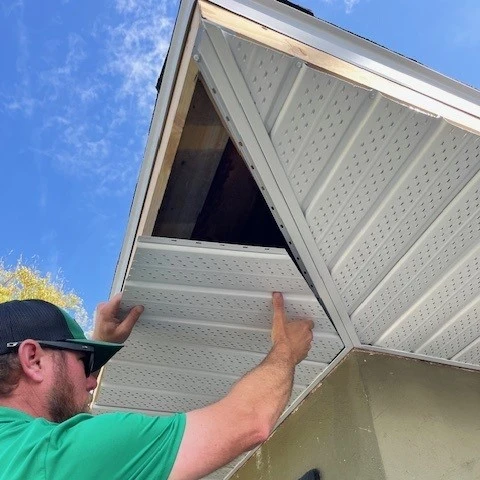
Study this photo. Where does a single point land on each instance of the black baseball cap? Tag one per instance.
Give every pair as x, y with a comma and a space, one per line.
44, 321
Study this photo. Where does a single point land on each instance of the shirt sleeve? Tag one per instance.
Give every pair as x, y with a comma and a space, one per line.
115, 446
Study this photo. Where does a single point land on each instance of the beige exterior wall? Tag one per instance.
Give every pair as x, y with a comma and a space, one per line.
379, 417
426, 418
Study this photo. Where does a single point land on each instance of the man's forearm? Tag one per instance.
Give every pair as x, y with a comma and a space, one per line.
265, 390
216, 434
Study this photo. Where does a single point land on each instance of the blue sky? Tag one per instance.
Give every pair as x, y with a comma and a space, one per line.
76, 97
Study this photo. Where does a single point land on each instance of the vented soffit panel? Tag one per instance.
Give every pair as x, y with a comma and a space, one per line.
207, 321
380, 199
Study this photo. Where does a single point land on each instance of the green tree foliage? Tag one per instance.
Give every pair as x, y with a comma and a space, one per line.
23, 281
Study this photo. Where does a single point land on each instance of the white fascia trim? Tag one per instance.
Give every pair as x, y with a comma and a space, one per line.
162, 104
356, 51
418, 356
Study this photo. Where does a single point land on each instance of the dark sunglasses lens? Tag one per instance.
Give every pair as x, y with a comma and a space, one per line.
88, 364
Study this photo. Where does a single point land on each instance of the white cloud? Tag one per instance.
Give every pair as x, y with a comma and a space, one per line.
8, 8
126, 6
20, 99
349, 4
134, 49
63, 74
88, 94
24, 104
93, 92
76, 52
138, 47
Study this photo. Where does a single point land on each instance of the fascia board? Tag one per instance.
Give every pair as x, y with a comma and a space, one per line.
180, 33
357, 51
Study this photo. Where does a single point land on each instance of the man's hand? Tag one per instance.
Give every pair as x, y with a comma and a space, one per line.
109, 327
296, 337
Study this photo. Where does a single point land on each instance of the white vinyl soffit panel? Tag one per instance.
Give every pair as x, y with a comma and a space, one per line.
207, 321
385, 196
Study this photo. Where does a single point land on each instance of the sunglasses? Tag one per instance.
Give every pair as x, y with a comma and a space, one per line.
88, 350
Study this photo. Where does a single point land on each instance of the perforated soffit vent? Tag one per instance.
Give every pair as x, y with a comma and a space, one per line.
384, 198
206, 323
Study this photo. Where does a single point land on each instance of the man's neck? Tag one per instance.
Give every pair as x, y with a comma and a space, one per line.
27, 402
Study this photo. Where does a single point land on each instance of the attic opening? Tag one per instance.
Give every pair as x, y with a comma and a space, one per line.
211, 194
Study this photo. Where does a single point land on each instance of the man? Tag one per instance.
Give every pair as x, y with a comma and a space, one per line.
48, 369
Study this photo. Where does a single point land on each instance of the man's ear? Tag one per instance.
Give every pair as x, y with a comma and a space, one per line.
32, 358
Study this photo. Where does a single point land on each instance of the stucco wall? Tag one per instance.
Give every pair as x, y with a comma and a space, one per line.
379, 417
426, 418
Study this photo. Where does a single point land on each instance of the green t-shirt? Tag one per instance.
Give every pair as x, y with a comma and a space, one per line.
110, 446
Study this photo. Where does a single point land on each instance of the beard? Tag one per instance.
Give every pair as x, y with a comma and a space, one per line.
62, 404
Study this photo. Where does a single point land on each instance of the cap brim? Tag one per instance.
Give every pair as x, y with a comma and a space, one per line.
103, 351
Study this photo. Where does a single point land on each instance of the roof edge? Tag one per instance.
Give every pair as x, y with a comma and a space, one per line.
356, 50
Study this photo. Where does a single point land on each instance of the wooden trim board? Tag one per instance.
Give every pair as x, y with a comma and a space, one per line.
268, 37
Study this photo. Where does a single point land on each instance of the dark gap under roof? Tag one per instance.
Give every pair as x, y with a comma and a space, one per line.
211, 194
